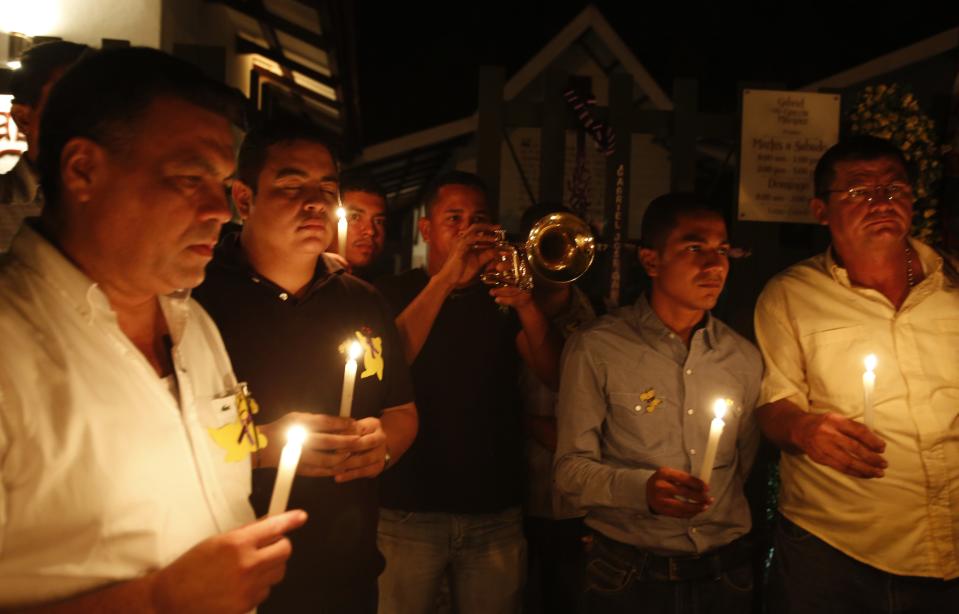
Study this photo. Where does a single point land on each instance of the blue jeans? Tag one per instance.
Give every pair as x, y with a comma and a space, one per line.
808, 575
619, 581
483, 555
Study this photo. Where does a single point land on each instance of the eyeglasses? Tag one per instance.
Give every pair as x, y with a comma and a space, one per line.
871, 194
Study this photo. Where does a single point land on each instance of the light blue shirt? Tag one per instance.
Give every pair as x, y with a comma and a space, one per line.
633, 398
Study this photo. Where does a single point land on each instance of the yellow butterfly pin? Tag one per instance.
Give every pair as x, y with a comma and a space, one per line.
240, 438
649, 400
372, 354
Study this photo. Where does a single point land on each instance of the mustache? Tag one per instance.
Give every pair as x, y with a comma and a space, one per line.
209, 232
880, 216
711, 279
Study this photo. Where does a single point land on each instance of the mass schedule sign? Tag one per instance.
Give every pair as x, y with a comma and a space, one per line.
783, 136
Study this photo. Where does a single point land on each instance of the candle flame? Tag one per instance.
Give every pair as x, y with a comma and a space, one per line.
355, 350
871, 361
720, 407
341, 213
296, 435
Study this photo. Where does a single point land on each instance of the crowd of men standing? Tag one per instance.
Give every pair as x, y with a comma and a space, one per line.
141, 427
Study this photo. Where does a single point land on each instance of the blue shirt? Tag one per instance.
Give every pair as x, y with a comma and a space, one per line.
634, 398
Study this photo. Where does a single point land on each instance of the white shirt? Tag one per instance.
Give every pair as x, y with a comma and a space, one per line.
814, 329
104, 475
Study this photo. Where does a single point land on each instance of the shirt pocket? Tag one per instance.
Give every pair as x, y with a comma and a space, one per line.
230, 430
941, 352
644, 421
834, 366
222, 411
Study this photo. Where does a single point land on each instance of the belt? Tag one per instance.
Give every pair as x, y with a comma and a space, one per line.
712, 564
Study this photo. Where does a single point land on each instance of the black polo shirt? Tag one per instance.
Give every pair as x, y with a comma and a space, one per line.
468, 454
288, 350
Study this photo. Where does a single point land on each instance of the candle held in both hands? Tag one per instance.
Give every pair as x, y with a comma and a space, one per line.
353, 352
289, 459
712, 444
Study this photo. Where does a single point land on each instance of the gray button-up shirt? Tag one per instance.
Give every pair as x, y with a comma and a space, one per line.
633, 398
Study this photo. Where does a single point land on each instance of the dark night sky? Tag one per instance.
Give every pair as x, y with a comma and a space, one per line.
418, 61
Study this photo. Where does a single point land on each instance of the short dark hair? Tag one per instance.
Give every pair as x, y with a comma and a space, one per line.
859, 147
37, 65
256, 144
103, 96
359, 181
663, 213
452, 178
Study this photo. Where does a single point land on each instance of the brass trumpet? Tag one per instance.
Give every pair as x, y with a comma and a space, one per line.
559, 249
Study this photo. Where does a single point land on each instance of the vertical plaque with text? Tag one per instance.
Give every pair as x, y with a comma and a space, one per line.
783, 136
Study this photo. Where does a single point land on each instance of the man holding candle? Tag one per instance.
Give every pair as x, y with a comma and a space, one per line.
638, 390
116, 494
869, 516
289, 316
452, 505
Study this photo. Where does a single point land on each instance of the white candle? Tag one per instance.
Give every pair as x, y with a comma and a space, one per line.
341, 230
289, 458
354, 351
715, 432
868, 387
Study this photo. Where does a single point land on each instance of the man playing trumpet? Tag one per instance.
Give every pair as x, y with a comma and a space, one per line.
452, 503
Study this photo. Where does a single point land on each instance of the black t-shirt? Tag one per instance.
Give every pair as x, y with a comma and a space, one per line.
467, 457
288, 351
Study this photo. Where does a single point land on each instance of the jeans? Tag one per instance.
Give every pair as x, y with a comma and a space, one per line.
482, 555
617, 582
809, 575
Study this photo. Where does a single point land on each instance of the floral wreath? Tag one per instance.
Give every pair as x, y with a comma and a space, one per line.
892, 112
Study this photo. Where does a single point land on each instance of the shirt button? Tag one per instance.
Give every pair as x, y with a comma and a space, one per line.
692, 451
284, 296
638, 408
690, 411
689, 371
694, 530
672, 335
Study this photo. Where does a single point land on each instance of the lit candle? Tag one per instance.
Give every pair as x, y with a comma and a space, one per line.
341, 230
289, 458
715, 432
354, 351
868, 387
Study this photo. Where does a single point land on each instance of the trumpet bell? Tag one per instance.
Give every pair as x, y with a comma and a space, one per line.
560, 248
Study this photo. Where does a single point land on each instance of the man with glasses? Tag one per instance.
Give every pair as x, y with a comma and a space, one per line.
869, 504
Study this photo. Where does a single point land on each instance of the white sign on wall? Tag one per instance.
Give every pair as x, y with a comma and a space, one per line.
783, 136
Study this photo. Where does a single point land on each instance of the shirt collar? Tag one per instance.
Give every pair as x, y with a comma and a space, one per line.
648, 321
230, 256
37, 253
929, 259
